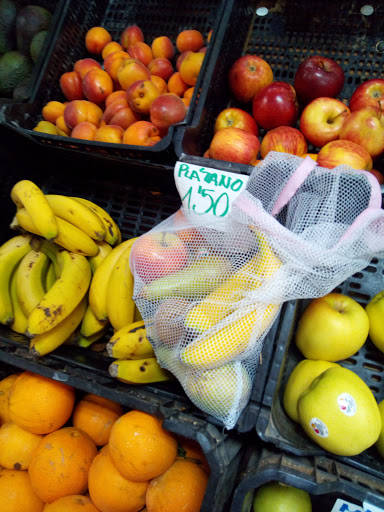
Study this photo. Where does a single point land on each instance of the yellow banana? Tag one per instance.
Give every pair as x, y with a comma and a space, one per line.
50, 277
66, 293
99, 284
69, 236
87, 341
48, 341
50, 249
223, 345
90, 325
130, 342
20, 321
30, 280
11, 252
104, 250
113, 233
139, 371
78, 214
120, 304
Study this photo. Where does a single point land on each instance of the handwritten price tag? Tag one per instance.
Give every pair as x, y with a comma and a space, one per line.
208, 191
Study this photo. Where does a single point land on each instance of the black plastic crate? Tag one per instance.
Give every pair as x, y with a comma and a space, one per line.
326, 480
67, 45
223, 453
273, 424
287, 35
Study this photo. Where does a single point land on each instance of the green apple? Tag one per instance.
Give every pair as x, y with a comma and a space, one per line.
299, 381
277, 497
332, 328
375, 312
340, 413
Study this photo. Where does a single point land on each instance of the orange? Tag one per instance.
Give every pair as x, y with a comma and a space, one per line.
72, 503
39, 404
96, 419
5, 391
190, 449
59, 466
140, 448
52, 110
188, 93
96, 38
17, 446
181, 487
109, 490
16, 493
105, 402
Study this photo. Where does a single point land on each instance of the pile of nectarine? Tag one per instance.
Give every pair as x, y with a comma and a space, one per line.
131, 92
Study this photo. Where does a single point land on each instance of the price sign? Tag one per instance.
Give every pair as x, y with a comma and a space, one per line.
346, 506
207, 191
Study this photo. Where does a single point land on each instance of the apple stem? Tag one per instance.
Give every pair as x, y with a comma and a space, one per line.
339, 114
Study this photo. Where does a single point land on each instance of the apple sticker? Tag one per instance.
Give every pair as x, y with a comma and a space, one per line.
319, 427
347, 404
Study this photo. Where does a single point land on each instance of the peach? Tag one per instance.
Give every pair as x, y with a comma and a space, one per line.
131, 70
166, 110
77, 111
82, 66
115, 95
177, 85
97, 85
131, 35
109, 133
71, 85
189, 40
160, 83
141, 133
120, 113
161, 67
190, 67
111, 47
52, 110
62, 128
84, 130
180, 59
96, 38
141, 95
112, 62
141, 51
162, 47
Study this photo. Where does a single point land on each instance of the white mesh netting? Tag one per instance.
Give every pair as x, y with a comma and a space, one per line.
210, 299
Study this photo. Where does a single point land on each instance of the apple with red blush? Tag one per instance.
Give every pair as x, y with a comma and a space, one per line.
236, 118
275, 105
284, 139
366, 128
247, 76
235, 145
344, 152
368, 94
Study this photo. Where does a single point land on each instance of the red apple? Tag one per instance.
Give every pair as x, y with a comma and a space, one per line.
378, 175
318, 76
248, 75
366, 128
368, 94
234, 145
322, 119
167, 109
275, 105
344, 152
284, 139
237, 118
158, 254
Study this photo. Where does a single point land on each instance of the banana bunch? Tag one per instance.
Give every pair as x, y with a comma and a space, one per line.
76, 224
135, 359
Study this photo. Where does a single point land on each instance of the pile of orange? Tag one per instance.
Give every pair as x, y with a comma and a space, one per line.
103, 100
64, 453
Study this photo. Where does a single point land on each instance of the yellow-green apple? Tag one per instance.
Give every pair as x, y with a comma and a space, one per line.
235, 145
318, 76
158, 254
167, 109
284, 139
141, 95
238, 118
368, 94
322, 119
344, 152
332, 328
248, 75
281, 497
275, 105
375, 312
365, 127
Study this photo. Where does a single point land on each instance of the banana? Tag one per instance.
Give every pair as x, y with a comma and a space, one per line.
87, 341
223, 345
50, 277
120, 304
104, 250
99, 284
69, 236
90, 325
30, 280
78, 214
130, 342
20, 321
11, 252
139, 371
66, 293
26, 194
48, 341
113, 233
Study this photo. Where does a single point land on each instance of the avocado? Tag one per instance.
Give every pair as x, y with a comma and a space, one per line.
29, 21
22, 90
14, 68
37, 44
7, 26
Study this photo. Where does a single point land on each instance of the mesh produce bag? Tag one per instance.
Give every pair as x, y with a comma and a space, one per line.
209, 289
